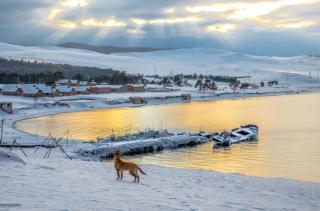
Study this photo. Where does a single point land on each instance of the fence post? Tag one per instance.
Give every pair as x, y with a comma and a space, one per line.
2, 123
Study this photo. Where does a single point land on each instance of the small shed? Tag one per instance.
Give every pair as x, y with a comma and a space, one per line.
186, 97
6, 107
137, 100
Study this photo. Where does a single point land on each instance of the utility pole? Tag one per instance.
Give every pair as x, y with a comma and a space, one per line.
2, 123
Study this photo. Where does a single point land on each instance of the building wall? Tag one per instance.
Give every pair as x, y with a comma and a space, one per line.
100, 90
130, 88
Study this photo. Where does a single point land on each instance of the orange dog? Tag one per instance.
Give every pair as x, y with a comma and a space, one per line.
121, 166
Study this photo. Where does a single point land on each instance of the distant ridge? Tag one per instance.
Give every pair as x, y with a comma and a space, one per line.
109, 49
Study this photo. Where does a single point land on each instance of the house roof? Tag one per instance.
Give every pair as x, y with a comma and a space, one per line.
30, 89
114, 86
10, 88
83, 83
134, 85
64, 89
63, 81
80, 88
45, 89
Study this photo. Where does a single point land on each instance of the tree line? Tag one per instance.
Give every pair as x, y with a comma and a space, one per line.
20, 71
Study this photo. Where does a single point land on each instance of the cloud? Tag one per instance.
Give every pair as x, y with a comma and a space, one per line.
222, 28
179, 23
75, 3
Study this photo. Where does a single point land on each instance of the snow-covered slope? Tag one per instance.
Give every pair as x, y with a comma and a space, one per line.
199, 60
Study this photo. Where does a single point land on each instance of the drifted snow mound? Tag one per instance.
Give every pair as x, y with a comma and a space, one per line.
7, 156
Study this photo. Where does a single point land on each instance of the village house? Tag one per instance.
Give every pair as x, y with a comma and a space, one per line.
115, 88
83, 83
6, 106
100, 89
48, 91
74, 83
66, 90
68, 82
30, 90
92, 83
157, 88
131, 88
11, 89
81, 89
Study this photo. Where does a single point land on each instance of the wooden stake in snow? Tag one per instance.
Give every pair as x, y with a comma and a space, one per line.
2, 123
59, 146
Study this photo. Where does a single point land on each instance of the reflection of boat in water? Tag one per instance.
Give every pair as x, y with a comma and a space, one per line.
244, 133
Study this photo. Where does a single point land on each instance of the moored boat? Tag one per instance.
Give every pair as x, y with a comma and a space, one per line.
244, 133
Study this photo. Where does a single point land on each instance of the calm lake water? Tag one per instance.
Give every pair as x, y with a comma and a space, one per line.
288, 146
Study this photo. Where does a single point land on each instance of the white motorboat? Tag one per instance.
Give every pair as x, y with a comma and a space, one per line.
244, 133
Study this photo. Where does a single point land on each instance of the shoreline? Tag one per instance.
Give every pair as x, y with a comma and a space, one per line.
238, 96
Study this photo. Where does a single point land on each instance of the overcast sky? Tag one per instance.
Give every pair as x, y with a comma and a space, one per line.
261, 27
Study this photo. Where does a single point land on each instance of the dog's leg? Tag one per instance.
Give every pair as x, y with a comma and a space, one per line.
121, 175
131, 173
118, 173
136, 175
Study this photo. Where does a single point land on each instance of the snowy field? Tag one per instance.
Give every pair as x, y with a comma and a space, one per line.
192, 60
60, 184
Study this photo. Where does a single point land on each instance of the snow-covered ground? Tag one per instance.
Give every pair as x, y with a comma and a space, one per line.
191, 60
61, 184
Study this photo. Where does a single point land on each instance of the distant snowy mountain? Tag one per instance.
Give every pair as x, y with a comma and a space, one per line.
190, 60
108, 49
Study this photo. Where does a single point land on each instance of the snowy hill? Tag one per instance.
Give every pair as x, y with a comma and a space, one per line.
199, 60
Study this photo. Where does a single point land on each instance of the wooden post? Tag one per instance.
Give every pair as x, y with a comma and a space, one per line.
2, 123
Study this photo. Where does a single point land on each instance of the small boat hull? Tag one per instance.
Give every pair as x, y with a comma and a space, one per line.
244, 133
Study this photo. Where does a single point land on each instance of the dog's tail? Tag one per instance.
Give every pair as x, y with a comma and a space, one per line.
142, 172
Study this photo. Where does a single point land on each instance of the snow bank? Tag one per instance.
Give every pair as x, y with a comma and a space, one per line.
103, 150
60, 184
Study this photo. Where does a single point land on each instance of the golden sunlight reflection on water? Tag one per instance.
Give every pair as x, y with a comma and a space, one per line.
288, 146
